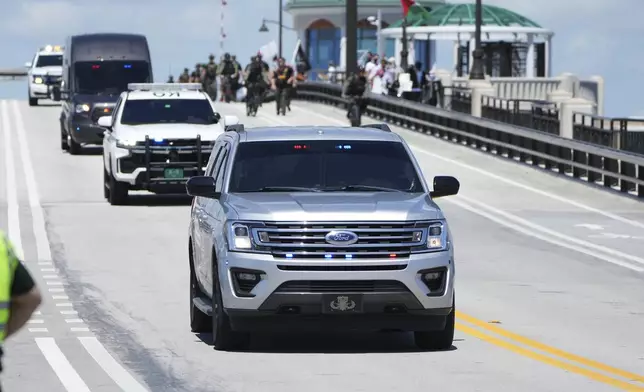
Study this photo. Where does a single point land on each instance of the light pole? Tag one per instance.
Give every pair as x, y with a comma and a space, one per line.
477, 72
377, 21
351, 43
264, 29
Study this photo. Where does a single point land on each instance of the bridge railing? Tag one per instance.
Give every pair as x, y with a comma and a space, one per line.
600, 165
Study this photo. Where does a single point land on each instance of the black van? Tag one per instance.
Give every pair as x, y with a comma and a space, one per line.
96, 70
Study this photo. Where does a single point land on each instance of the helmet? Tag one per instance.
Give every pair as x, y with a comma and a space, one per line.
211, 57
259, 55
226, 56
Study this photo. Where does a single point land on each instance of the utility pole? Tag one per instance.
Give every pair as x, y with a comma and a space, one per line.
351, 39
280, 27
477, 72
404, 53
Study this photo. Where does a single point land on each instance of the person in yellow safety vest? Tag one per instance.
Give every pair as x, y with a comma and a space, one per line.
19, 296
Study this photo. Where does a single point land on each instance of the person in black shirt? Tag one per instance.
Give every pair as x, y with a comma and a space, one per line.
355, 89
282, 82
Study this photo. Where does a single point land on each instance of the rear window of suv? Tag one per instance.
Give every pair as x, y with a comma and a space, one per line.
327, 165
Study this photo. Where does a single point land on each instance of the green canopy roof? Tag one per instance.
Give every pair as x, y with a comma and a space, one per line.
464, 14
303, 4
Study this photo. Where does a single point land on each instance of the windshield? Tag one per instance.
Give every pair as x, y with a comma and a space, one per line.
110, 77
49, 60
168, 111
323, 166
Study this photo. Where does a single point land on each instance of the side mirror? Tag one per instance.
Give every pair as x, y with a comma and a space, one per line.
203, 186
445, 186
28, 64
217, 117
105, 122
231, 120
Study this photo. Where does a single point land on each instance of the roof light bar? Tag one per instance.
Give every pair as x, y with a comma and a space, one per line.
164, 87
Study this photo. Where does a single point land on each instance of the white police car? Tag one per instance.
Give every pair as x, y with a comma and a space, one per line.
45, 74
158, 136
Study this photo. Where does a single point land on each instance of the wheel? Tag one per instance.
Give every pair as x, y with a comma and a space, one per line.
355, 116
437, 340
199, 321
63, 140
118, 191
33, 101
106, 185
73, 147
223, 336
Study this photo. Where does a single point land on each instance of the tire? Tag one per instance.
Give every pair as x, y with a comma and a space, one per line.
199, 321
118, 192
106, 185
33, 101
437, 340
355, 116
223, 336
283, 103
73, 147
63, 140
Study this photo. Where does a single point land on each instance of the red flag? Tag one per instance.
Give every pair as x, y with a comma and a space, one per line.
406, 5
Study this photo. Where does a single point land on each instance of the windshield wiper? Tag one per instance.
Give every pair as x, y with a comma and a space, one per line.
360, 188
287, 189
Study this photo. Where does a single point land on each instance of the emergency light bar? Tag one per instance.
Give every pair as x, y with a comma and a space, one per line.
164, 87
52, 48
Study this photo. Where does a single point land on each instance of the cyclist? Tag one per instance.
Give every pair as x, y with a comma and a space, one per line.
282, 82
228, 70
355, 90
210, 78
19, 296
254, 84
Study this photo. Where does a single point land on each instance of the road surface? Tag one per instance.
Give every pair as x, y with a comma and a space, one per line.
550, 277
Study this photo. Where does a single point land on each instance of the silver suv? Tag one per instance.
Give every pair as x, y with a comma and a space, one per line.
319, 229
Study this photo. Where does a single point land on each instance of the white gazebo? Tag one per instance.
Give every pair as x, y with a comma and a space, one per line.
455, 22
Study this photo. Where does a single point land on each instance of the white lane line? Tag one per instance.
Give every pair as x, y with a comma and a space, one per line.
49, 283
37, 330
74, 321
35, 321
38, 217
43, 263
51, 277
70, 379
550, 195
37, 313
79, 329
68, 312
56, 290
535, 234
60, 297
113, 369
64, 305
13, 208
48, 270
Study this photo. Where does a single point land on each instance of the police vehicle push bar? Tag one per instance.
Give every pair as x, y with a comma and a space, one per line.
164, 87
186, 165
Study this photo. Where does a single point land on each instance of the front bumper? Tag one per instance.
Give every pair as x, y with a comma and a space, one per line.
83, 130
161, 167
390, 294
43, 90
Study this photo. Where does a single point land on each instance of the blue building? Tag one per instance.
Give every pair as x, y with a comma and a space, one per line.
320, 25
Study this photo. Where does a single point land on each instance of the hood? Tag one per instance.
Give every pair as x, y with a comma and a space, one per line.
52, 71
96, 98
341, 206
169, 131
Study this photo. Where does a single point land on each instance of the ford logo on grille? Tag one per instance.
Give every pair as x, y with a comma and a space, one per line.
341, 237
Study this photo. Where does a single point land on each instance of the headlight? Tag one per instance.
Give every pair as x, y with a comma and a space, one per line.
82, 108
240, 237
124, 143
436, 236
38, 80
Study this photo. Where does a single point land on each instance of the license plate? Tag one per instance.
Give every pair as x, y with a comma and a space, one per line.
173, 173
342, 303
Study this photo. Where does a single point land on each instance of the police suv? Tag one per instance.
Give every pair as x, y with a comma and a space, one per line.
157, 136
319, 228
45, 74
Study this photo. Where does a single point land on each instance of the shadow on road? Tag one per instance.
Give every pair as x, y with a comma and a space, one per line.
331, 343
48, 104
153, 200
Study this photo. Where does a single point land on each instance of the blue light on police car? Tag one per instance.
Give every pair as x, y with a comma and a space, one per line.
348, 256
127, 66
158, 140
289, 255
328, 256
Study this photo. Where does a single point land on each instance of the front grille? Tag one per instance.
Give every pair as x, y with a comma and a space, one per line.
99, 112
342, 286
375, 239
191, 155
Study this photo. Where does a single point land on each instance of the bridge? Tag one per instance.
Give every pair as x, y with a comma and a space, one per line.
549, 229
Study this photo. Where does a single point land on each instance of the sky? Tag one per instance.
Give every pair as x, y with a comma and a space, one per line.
597, 37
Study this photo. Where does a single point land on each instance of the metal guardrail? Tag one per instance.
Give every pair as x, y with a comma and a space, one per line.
599, 165
618, 133
534, 114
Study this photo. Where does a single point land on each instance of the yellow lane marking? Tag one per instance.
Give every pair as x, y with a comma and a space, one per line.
548, 360
550, 350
